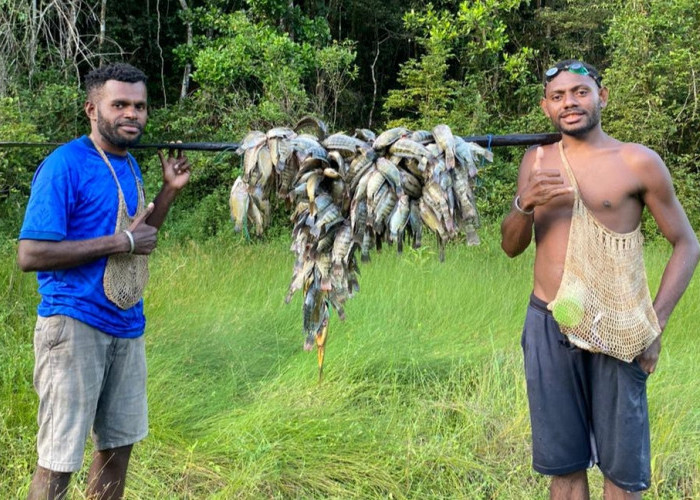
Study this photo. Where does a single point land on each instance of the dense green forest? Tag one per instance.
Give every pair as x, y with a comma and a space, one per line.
220, 68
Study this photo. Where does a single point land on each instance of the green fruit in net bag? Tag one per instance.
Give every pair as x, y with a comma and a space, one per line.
568, 311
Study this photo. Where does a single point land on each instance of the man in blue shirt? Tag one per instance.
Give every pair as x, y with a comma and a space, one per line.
88, 234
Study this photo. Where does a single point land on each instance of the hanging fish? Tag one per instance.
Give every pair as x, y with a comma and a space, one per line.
238, 203
352, 193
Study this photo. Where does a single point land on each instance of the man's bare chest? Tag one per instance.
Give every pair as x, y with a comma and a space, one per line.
610, 192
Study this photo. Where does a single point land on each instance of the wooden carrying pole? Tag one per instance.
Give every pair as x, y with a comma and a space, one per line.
482, 140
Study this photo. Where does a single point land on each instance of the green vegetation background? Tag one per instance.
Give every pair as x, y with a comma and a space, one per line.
423, 395
255, 64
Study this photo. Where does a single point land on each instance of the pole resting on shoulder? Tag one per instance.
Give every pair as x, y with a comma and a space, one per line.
482, 140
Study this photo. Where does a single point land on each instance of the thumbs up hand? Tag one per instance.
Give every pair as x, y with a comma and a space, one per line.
144, 237
543, 184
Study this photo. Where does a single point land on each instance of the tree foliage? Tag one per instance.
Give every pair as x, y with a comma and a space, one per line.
15, 177
466, 59
252, 64
654, 75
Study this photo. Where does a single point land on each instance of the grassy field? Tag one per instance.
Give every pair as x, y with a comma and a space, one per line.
423, 393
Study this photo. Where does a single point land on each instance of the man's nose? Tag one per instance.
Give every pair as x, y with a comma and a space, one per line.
570, 99
130, 112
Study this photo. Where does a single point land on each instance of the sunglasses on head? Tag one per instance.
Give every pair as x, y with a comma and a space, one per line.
575, 67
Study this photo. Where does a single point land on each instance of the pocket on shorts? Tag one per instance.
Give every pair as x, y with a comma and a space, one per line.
638, 370
565, 343
50, 330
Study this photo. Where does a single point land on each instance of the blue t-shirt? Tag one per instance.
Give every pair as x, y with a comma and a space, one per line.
74, 197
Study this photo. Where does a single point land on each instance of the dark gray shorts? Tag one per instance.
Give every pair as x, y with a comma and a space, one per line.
585, 408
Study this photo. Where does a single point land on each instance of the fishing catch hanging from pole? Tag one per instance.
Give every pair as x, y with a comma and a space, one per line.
354, 192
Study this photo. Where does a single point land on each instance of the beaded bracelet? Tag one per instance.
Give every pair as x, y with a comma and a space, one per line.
516, 204
131, 240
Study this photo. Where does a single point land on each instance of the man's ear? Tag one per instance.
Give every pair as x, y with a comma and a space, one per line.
90, 110
603, 94
543, 107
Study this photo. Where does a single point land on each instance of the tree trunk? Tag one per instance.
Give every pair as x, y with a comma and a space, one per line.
374, 82
103, 29
188, 67
33, 39
288, 21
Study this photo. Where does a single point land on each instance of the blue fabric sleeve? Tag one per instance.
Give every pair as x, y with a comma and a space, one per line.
50, 202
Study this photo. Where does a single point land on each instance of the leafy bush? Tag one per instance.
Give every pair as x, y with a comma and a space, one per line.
56, 109
266, 69
16, 164
474, 65
654, 49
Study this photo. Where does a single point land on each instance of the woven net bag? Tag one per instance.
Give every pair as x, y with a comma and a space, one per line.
603, 303
126, 275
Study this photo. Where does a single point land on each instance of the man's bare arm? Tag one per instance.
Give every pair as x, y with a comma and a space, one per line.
664, 206
516, 228
176, 174
44, 255
516, 232
659, 196
536, 186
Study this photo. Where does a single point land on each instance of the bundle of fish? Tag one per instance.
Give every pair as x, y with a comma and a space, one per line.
353, 192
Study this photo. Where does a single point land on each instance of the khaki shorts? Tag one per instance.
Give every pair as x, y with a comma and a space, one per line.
86, 380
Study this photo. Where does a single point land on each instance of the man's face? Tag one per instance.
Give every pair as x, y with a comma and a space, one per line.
118, 114
573, 103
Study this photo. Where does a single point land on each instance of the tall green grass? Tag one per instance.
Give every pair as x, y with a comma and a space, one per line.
18, 299
423, 394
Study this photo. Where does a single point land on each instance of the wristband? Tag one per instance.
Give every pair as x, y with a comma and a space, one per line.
131, 240
516, 204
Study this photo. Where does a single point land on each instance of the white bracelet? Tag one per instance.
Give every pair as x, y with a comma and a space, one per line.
516, 204
131, 240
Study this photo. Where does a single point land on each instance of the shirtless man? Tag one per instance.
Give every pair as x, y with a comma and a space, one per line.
573, 392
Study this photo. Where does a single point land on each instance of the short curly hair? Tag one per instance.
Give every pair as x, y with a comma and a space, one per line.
122, 72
